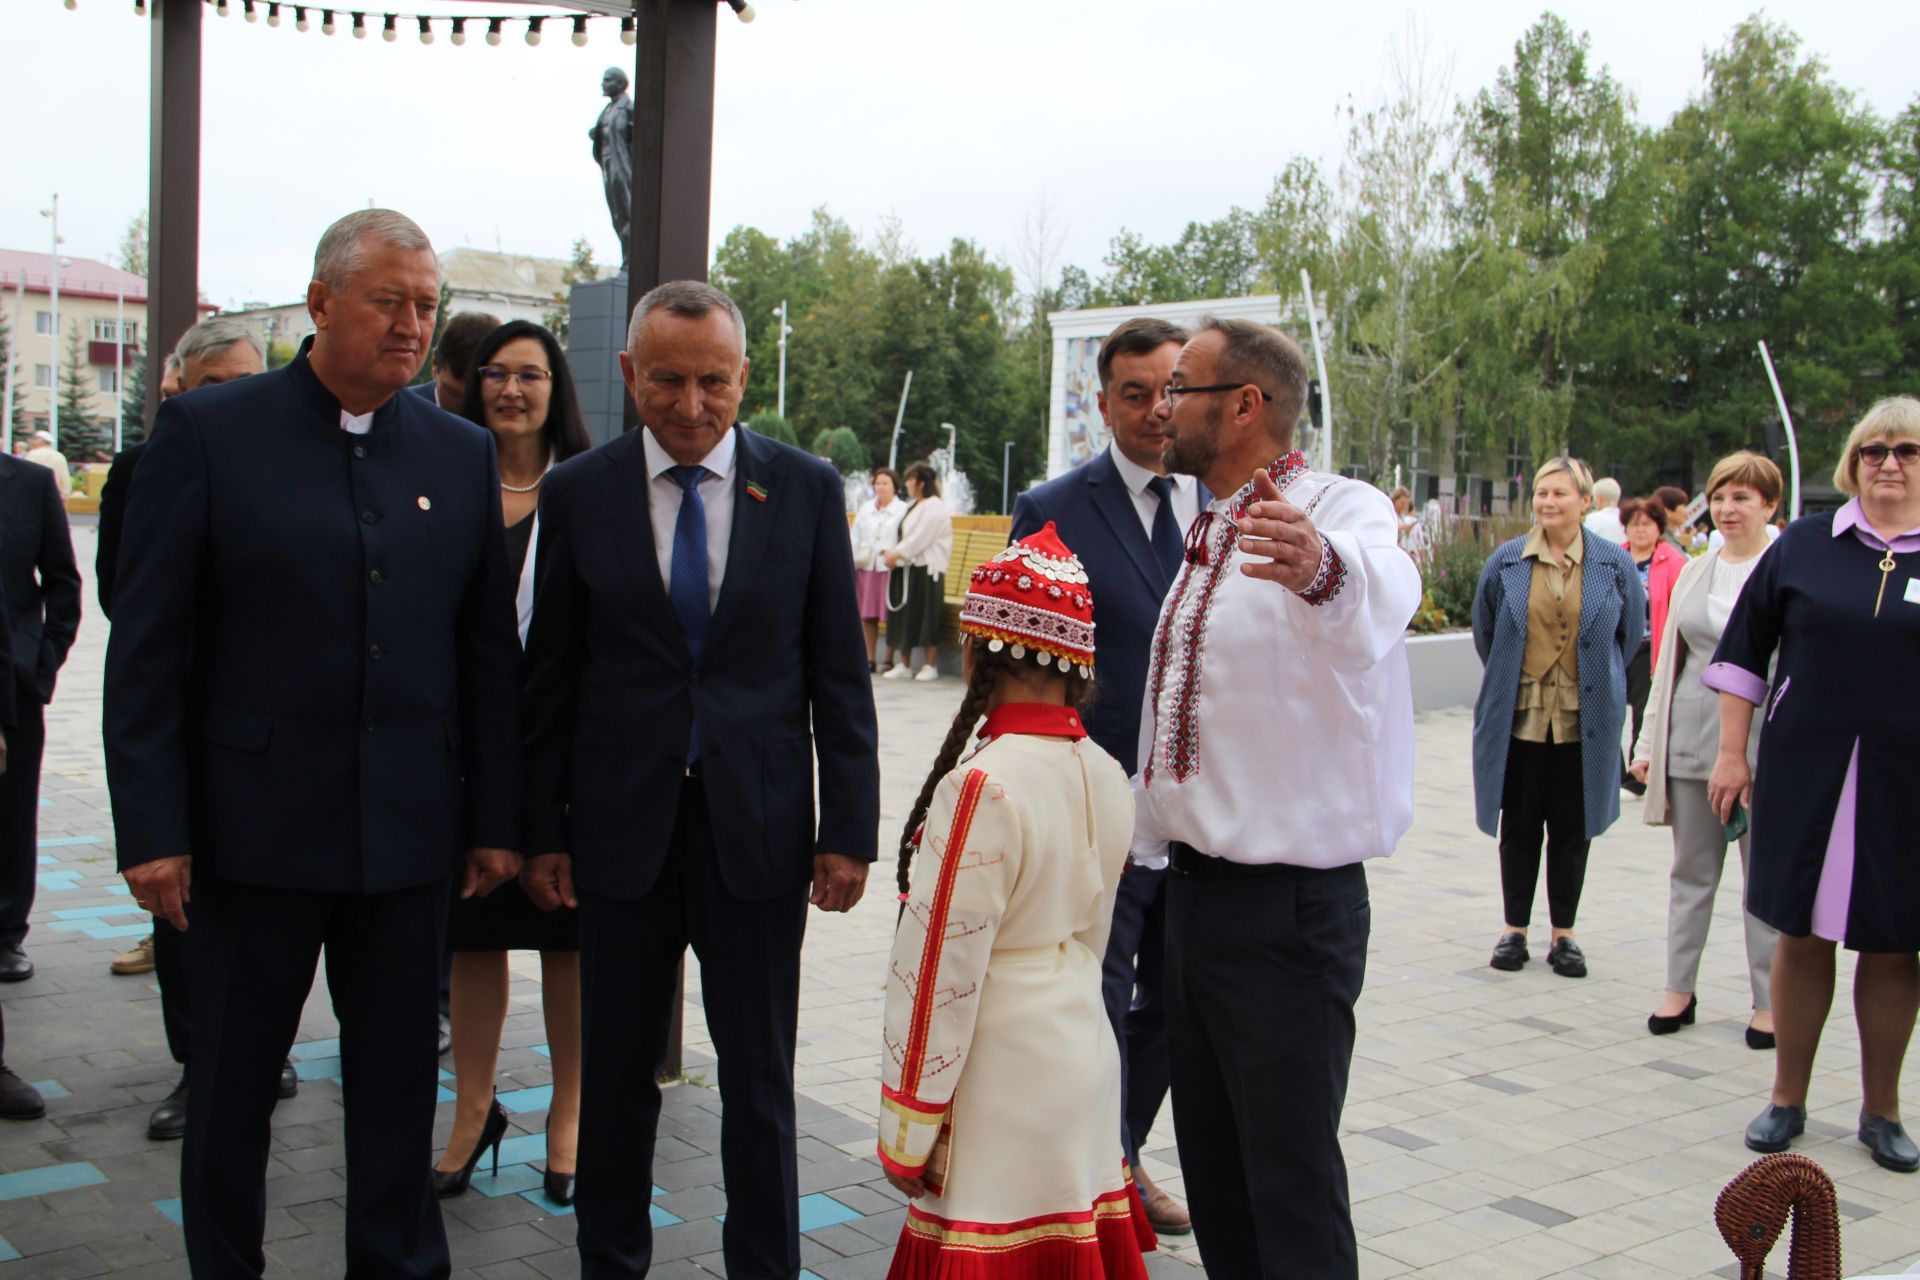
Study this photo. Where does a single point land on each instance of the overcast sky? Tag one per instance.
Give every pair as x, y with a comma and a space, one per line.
958, 116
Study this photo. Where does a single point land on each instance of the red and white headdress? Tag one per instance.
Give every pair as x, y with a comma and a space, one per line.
1033, 595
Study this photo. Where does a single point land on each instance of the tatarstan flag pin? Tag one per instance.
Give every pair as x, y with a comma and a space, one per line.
756, 491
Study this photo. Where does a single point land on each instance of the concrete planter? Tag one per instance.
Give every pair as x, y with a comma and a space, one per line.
1446, 670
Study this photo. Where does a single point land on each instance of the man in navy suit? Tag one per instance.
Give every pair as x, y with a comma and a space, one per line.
1126, 519
41, 586
695, 649
311, 726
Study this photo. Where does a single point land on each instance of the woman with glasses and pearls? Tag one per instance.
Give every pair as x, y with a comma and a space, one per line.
1555, 617
1834, 609
520, 390
1675, 754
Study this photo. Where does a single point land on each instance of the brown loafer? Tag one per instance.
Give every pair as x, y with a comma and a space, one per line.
1167, 1216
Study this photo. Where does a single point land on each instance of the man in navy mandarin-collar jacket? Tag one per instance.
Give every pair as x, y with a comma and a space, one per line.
311, 726
695, 650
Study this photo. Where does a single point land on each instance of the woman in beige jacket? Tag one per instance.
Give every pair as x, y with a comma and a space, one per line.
1675, 753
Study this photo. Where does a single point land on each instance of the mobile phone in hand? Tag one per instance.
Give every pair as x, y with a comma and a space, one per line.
1736, 824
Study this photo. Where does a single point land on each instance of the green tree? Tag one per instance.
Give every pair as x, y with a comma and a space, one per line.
1765, 191
133, 402
774, 427
133, 245
83, 437
580, 269
841, 447
10, 364
1897, 256
1544, 149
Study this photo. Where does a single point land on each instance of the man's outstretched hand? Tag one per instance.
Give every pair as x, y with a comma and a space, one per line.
1282, 533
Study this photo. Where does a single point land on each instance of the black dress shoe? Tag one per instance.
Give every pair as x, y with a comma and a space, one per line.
558, 1186
14, 964
1662, 1025
169, 1119
18, 1099
1776, 1127
1889, 1143
446, 1035
448, 1185
1510, 953
1758, 1039
1567, 959
289, 1080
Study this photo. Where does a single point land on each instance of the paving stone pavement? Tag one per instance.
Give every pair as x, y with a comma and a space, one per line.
1499, 1127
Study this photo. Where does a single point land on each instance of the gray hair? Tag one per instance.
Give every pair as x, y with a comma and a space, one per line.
690, 299
342, 251
172, 364
213, 335
1606, 492
1266, 358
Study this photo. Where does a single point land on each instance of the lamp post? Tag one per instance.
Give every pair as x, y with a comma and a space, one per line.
785, 329
53, 397
1006, 475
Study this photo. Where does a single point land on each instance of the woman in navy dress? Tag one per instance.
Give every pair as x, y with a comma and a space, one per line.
1838, 599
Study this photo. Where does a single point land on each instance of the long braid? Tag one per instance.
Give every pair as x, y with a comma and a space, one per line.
972, 707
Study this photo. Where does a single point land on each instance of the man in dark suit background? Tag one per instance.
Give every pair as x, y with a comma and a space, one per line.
41, 585
453, 359
695, 647
216, 350
311, 723
1126, 519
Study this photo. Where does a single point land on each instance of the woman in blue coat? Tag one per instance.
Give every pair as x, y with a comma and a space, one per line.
1555, 617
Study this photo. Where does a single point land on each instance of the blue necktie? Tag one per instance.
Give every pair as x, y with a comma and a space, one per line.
1167, 548
687, 581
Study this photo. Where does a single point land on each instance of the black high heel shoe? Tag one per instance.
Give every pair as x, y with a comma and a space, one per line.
1661, 1025
448, 1185
558, 1186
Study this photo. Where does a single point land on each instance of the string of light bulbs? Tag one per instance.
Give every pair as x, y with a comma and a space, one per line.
389, 24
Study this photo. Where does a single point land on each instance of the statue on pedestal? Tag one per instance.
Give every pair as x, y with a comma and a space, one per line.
612, 136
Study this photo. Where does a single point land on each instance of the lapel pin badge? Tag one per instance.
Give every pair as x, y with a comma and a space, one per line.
756, 492
426, 503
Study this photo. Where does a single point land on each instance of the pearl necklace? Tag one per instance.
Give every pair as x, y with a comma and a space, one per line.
529, 488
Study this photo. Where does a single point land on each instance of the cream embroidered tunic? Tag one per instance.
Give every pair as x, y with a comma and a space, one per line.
1000, 1072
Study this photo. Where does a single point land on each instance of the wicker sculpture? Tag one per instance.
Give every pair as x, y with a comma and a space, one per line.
1752, 1212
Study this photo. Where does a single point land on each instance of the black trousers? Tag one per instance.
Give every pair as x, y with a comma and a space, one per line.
1262, 976
1133, 984
1543, 791
749, 954
176, 997
20, 814
254, 952
1639, 685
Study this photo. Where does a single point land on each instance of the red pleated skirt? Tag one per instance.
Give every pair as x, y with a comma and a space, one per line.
1103, 1242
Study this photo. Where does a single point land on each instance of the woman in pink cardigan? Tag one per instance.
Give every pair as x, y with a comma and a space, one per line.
1659, 563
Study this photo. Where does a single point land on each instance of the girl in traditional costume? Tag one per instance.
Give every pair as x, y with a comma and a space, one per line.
1000, 1078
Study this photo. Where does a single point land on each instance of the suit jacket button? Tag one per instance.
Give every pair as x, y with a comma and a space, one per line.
359, 451
376, 577
369, 517
372, 724
373, 652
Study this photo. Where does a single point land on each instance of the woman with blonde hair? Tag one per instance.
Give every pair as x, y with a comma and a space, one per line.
1834, 610
1556, 615
1675, 752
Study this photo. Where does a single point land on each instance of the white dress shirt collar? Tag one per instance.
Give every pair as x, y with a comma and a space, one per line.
356, 424
1137, 477
719, 459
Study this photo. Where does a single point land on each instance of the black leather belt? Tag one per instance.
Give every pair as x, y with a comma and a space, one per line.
1189, 861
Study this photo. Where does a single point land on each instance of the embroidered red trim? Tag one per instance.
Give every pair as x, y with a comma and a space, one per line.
1331, 577
916, 1056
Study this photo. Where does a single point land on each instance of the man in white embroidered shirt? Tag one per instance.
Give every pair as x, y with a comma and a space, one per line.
1278, 659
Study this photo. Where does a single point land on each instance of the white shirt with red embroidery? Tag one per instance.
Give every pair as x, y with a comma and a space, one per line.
1278, 726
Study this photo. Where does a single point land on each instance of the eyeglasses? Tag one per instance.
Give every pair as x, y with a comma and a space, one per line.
1874, 455
1169, 391
495, 375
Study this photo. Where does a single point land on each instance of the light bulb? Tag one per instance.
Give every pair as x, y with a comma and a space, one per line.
327, 25
246, 7
493, 31
533, 30
580, 32
359, 26
220, 8
387, 32
273, 15
426, 31
626, 31
459, 30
